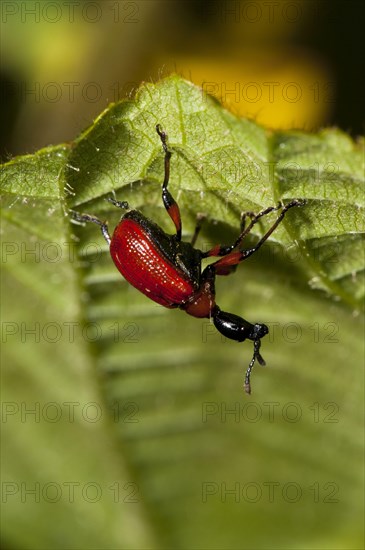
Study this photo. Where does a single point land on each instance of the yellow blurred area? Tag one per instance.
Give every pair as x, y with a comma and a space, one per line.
65, 62
249, 62
289, 90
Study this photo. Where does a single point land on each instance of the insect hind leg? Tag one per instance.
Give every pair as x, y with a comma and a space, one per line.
84, 218
168, 200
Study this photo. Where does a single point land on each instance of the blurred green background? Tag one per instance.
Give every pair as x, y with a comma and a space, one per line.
178, 457
287, 64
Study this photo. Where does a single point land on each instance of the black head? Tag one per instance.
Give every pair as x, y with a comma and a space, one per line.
236, 328
239, 329
258, 331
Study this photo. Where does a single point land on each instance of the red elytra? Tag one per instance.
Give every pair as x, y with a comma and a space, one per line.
140, 261
168, 270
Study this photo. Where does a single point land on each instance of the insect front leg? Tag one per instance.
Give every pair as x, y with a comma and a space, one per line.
221, 250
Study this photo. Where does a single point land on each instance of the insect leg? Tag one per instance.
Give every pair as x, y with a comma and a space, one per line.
221, 250
169, 202
199, 222
82, 218
232, 258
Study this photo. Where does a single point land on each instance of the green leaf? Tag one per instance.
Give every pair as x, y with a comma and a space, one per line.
61, 461
164, 448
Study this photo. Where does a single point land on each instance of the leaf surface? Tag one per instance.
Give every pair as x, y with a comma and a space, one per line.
181, 457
